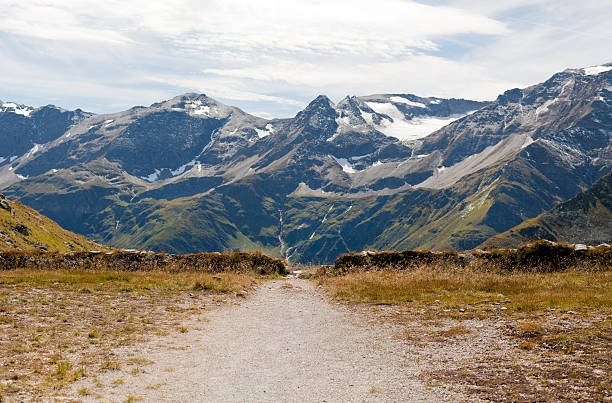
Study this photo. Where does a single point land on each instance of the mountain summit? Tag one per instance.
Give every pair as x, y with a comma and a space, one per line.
389, 171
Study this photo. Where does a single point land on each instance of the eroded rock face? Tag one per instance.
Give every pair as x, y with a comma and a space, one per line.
383, 171
4, 203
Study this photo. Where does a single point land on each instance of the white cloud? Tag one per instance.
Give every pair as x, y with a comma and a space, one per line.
220, 87
422, 74
274, 56
385, 28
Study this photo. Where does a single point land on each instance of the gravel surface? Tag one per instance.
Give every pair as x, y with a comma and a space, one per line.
285, 343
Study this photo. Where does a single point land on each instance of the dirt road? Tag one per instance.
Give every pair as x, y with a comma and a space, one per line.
286, 343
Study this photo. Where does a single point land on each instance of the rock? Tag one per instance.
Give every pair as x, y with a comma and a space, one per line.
22, 229
4, 205
580, 246
466, 256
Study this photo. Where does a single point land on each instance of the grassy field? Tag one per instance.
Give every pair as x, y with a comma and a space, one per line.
440, 289
57, 327
559, 326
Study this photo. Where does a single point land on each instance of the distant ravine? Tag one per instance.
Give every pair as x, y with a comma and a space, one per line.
390, 171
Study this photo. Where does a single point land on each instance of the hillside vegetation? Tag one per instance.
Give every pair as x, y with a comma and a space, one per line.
22, 228
133, 261
541, 256
585, 218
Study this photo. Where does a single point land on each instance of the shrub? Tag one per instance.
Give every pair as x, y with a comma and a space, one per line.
238, 262
541, 256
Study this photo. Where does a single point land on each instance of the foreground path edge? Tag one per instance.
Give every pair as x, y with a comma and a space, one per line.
285, 343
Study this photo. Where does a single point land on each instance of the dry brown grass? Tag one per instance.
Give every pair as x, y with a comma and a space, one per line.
558, 326
516, 292
57, 327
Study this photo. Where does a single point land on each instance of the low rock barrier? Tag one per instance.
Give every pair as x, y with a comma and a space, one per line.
540, 256
239, 262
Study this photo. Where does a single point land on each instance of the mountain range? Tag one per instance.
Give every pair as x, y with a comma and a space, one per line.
585, 218
389, 171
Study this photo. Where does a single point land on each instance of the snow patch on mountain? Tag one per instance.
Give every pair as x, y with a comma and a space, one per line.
34, 150
265, 132
360, 157
345, 164
403, 129
367, 116
152, 177
327, 214
12, 107
594, 70
198, 108
402, 100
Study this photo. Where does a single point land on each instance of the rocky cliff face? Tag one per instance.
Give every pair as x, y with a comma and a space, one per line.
383, 171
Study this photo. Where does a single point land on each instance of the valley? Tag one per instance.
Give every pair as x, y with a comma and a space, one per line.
191, 174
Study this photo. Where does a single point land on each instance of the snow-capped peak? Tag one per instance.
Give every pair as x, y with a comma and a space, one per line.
595, 70
12, 107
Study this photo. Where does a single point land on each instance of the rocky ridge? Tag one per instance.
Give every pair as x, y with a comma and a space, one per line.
384, 171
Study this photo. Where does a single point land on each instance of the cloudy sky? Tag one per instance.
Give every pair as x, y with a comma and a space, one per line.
272, 57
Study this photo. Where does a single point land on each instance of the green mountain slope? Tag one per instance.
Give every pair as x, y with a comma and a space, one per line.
22, 228
191, 174
585, 218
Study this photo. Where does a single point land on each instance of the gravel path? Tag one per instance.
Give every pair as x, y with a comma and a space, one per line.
286, 343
